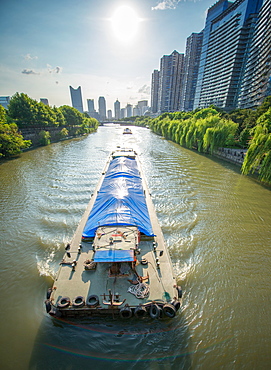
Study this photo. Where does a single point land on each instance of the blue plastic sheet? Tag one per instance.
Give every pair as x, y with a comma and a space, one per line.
114, 255
121, 200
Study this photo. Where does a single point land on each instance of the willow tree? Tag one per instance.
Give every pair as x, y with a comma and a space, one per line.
258, 157
219, 135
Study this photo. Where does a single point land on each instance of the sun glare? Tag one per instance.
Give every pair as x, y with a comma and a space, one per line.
125, 23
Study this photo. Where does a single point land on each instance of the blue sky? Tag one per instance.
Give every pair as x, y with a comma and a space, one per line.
45, 46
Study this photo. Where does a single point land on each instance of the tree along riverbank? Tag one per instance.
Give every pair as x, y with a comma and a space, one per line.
209, 129
27, 123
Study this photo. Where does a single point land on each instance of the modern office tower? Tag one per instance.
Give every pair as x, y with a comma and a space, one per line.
171, 75
136, 111
117, 109
226, 39
44, 101
256, 83
109, 114
191, 68
76, 97
129, 110
91, 110
143, 106
123, 113
4, 101
90, 103
102, 108
154, 91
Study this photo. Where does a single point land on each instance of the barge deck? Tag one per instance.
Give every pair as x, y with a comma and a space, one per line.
117, 262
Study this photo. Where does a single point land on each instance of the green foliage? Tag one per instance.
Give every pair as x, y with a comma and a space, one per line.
63, 133
11, 141
142, 121
258, 157
203, 129
71, 115
44, 137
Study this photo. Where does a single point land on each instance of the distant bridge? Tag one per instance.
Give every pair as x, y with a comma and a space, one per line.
122, 123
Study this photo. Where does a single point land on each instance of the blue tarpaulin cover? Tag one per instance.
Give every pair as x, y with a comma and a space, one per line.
113, 255
120, 200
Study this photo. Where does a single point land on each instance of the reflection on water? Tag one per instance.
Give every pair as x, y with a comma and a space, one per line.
216, 224
112, 343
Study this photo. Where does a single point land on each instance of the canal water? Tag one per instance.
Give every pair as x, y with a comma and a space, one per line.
217, 227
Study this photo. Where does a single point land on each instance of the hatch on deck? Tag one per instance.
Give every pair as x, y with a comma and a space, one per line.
113, 255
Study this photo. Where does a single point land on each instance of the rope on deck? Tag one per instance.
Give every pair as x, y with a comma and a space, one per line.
140, 290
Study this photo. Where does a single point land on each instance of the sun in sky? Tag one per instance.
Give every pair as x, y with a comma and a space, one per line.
125, 23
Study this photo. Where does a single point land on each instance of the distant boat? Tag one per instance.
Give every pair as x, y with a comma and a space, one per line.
127, 131
117, 263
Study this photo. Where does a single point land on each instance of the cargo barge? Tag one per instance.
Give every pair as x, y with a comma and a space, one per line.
117, 263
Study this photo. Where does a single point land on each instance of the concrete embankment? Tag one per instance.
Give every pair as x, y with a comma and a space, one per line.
235, 156
33, 133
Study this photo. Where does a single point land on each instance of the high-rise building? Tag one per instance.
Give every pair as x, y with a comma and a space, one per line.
117, 109
90, 103
123, 113
170, 81
143, 106
4, 101
102, 108
226, 39
91, 109
129, 110
109, 114
191, 68
256, 82
154, 91
44, 101
136, 111
76, 97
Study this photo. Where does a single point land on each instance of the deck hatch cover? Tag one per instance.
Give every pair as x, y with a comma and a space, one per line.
113, 255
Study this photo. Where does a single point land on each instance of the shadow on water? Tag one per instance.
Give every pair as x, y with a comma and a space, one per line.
98, 343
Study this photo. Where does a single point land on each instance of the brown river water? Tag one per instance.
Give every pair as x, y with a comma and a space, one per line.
216, 223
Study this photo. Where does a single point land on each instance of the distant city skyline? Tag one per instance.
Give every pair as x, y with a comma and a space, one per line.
68, 43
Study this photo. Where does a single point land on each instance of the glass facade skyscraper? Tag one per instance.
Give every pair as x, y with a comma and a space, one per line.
154, 91
170, 79
256, 82
191, 67
76, 97
117, 109
227, 35
102, 108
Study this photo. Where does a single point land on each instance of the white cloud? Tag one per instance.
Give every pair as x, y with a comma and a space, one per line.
54, 70
166, 4
29, 72
29, 57
169, 4
145, 90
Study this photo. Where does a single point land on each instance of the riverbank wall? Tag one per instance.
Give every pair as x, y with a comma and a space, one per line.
235, 156
33, 133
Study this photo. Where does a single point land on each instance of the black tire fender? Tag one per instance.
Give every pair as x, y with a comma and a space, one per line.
140, 312
176, 304
154, 311
179, 291
64, 302
169, 310
49, 292
78, 301
48, 305
92, 300
126, 312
